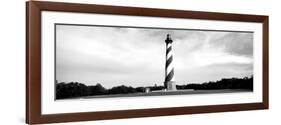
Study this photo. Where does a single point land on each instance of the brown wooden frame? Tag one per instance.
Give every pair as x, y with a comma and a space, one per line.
33, 61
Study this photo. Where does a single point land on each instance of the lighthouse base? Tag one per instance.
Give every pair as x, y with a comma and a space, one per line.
171, 85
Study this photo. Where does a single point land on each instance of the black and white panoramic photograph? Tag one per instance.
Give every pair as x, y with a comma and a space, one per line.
93, 61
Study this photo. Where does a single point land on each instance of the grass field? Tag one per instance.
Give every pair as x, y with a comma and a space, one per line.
165, 93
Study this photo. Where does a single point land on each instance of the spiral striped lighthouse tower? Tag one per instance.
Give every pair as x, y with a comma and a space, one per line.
169, 83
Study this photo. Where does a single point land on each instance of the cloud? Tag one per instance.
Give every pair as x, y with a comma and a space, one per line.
213, 72
235, 43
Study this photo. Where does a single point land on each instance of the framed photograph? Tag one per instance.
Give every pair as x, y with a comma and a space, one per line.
94, 62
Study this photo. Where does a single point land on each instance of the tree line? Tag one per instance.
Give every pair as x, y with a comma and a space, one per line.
231, 83
75, 89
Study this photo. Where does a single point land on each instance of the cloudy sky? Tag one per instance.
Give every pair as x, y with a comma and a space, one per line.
114, 56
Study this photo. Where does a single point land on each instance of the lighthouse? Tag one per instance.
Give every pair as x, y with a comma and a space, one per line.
169, 82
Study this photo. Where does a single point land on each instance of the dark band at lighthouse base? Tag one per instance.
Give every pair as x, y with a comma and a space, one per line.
95, 61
